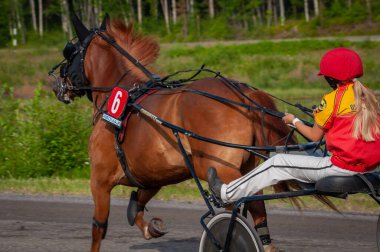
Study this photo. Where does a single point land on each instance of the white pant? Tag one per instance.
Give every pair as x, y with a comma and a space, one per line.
281, 167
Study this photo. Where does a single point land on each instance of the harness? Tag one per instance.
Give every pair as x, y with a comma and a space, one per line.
72, 75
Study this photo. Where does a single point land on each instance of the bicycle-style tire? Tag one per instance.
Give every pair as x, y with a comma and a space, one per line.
244, 237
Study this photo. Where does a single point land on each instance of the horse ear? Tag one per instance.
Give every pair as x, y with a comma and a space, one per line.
80, 29
106, 20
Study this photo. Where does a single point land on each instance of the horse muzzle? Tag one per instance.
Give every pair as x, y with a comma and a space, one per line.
61, 90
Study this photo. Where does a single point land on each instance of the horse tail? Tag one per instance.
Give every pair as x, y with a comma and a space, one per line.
273, 131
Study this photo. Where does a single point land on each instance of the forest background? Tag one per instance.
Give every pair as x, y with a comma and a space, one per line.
47, 21
43, 143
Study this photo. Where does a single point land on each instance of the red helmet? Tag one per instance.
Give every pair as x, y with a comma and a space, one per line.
341, 64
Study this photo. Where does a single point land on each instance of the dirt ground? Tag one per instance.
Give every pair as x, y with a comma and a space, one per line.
35, 223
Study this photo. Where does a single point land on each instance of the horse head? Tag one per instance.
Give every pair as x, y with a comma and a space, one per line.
72, 81
91, 64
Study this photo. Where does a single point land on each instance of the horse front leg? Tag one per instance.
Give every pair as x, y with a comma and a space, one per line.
101, 193
156, 227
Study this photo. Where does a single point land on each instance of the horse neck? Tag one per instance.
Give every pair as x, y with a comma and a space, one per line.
110, 71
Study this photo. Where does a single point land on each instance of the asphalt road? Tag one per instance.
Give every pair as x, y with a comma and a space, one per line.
36, 223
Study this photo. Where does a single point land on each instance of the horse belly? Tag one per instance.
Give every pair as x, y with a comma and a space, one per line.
152, 150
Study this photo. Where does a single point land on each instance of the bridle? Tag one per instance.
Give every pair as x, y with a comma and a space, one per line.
72, 72
71, 69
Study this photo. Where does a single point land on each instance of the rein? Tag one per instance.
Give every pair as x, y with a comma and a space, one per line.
165, 83
233, 85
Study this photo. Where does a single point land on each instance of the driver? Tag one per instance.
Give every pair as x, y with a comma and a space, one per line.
349, 117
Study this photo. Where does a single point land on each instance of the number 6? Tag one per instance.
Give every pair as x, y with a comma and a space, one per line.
116, 102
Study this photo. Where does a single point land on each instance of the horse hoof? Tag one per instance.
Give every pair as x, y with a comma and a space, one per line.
271, 248
157, 228
146, 234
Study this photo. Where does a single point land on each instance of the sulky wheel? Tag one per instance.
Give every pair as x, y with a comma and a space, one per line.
244, 238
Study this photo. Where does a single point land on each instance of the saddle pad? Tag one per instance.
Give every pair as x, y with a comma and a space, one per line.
348, 184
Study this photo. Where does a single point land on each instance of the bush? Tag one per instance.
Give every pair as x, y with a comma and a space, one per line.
42, 137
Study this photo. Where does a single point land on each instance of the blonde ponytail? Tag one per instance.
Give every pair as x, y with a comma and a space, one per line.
366, 125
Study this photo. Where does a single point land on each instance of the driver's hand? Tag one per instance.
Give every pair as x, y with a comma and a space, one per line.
288, 118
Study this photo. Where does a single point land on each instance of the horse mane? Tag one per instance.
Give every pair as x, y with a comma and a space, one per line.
143, 48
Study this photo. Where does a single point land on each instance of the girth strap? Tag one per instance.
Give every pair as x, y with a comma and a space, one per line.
123, 162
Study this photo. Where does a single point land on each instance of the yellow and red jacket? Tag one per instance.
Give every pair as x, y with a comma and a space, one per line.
336, 114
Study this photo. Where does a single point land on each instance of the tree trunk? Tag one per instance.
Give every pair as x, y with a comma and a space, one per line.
33, 12
132, 10
211, 10
369, 9
183, 13
40, 18
13, 30
20, 22
66, 27
174, 11
306, 7
165, 10
139, 11
155, 9
269, 13
282, 12
87, 6
64, 20
98, 11
191, 7
275, 15
316, 8
259, 15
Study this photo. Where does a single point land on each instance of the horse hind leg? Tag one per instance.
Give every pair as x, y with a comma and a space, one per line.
258, 212
156, 227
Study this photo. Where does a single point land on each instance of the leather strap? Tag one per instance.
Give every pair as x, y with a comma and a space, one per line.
123, 162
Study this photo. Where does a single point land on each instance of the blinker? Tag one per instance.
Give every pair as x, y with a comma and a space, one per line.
69, 50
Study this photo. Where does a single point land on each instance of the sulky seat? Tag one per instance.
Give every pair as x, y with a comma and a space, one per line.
349, 184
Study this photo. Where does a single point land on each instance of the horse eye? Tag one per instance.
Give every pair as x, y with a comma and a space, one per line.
68, 50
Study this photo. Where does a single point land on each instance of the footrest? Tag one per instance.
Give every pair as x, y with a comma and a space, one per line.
348, 184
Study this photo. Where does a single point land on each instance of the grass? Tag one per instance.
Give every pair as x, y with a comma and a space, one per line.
267, 65
185, 191
27, 67
81, 187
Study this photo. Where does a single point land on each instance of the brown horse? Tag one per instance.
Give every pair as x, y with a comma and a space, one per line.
153, 156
